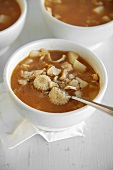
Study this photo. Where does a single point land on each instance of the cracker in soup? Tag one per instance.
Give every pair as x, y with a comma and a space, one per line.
46, 79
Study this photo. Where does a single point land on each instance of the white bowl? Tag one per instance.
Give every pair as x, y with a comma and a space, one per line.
9, 35
87, 36
54, 121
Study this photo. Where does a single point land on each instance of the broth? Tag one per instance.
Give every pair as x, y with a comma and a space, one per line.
9, 13
45, 79
81, 12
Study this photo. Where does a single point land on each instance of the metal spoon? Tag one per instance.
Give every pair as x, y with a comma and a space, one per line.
102, 107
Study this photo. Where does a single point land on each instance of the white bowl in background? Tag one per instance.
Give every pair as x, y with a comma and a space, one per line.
10, 34
54, 121
87, 36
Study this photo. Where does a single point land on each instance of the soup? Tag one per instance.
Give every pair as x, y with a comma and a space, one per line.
9, 13
45, 80
84, 13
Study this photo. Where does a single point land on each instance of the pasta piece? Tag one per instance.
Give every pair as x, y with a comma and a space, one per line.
42, 82
25, 66
61, 59
79, 66
67, 66
63, 75
48, 56
22, 82
42, 57
72, 56
58, 96
26, 74
38, 72
70, 88
55, 79
53, 71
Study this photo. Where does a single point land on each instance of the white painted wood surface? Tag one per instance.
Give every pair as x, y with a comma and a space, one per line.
93, 152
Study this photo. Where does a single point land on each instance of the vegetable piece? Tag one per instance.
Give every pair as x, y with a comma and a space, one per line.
72, 56
4, 19
49, 10
98, 10
74, 83
79, 66
83, 83
106, 18
34, 53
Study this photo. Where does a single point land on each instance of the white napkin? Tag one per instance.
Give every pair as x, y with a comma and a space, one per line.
14, 129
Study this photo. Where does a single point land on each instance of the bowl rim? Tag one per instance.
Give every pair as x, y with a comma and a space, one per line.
78, 111
22, 15
73, 26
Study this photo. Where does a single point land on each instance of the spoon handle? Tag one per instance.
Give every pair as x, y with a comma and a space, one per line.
102, 107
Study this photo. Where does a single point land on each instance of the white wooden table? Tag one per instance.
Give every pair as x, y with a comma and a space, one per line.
93, 152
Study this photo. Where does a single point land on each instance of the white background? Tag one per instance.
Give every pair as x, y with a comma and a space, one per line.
93, 152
